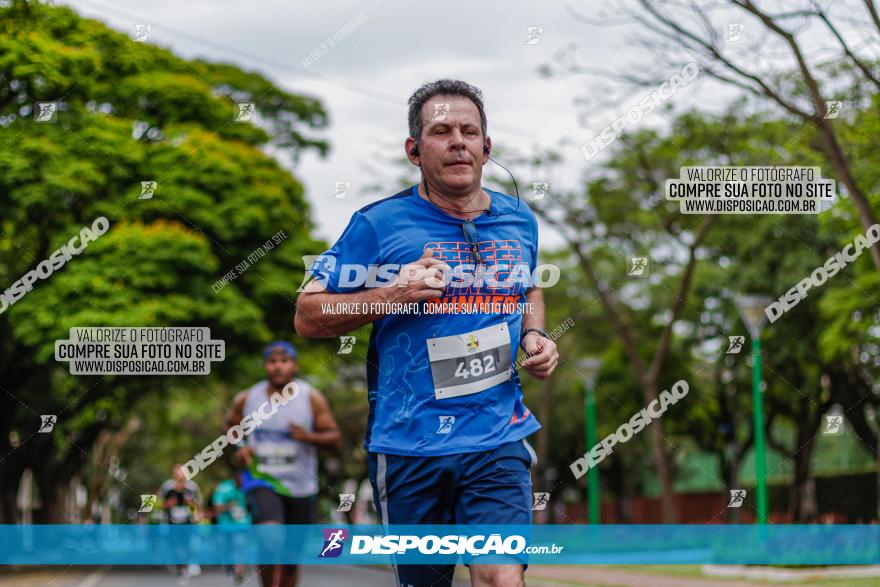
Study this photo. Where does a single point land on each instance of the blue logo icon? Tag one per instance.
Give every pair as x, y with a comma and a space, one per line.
333, 542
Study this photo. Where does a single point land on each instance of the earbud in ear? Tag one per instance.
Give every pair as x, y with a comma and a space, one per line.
414, 151
486, 148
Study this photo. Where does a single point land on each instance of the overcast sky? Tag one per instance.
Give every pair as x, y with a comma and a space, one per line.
366, 78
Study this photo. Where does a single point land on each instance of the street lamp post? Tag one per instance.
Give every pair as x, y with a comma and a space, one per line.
751, 309
589, 368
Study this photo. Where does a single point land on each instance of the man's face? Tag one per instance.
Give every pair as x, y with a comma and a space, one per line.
178, 475
451, 145
281, 368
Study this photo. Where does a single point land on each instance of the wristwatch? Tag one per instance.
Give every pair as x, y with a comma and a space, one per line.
528, 330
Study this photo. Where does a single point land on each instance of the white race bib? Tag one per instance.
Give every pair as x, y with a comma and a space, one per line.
275, 458
180, 514
471, 362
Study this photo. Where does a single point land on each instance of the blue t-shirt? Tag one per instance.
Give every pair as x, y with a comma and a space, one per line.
438, 375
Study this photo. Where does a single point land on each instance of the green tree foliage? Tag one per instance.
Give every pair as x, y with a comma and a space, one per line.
621, 213
130, 112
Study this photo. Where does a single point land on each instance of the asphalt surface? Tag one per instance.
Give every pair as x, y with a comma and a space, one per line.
313, 576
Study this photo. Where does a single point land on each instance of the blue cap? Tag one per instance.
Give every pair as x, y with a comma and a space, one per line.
279, 345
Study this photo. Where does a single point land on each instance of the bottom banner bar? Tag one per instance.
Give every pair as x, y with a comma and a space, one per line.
374, 544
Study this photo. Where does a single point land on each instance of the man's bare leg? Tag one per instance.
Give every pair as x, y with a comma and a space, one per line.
290, 575
270, 575
497, 575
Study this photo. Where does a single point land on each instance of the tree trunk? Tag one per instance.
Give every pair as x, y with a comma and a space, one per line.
8, 506
616, 483
802, 504
664, 471
802, 493
878, 484
732, 477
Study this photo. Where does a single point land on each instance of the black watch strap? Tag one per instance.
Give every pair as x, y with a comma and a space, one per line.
528, 330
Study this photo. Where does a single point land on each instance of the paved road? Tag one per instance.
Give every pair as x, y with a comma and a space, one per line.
313, 576
610, 577
343, 576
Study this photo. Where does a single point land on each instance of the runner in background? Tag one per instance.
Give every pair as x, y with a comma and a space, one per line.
280, 456
230, 513
181, 503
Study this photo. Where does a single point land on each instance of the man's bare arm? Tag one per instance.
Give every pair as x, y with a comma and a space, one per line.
325, 432
534, 315
418, 281
233, 418
311, 320
236, 413
542, 353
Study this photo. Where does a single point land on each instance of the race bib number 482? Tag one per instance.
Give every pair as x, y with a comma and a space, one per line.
471, 362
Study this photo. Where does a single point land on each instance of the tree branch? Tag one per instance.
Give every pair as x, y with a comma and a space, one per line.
872, 10
858, 63
683, 286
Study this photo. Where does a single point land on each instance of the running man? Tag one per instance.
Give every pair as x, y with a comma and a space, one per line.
181, 500
281, 478
457, 454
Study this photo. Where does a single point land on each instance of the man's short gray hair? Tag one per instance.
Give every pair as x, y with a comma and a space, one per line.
443, 87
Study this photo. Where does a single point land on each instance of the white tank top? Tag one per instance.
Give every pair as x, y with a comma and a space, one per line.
279, 458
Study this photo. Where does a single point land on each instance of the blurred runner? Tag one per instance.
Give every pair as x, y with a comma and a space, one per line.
230, 512
281, 476
181, 502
